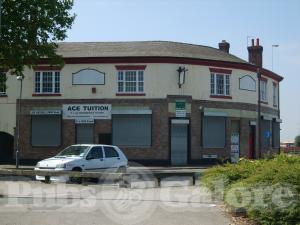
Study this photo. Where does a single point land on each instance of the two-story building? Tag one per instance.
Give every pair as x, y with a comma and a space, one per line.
161, 102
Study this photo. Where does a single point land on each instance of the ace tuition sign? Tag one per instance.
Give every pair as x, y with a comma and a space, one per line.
87, 111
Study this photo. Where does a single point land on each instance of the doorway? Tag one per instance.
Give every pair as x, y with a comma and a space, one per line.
252, 137
179, 136
6, 147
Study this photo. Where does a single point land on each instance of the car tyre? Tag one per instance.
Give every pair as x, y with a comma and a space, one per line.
122, 169
76, 180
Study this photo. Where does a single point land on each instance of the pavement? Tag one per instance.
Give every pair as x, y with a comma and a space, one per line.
33, 203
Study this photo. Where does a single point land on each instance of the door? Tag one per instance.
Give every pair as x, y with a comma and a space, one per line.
112, 159
95, 159
105, 139
84, 133
179, 142
252, 141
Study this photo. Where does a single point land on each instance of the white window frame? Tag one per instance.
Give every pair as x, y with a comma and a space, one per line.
121, 81
264, 90
38, 89
226, 84
275, 99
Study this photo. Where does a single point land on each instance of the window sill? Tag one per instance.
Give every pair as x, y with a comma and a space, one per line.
3, 95
45, 94
221, 96
130, 94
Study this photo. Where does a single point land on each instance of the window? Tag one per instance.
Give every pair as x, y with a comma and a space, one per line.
263, 91
95, 153
132, 130
2, 83
46, 130
131, 81
47, 82
213, 131
274, 94
219, 84
110, 152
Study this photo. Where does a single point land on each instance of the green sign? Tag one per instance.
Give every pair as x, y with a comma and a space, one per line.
180, 109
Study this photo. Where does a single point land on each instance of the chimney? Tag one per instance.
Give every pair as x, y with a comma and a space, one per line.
224, 46
255, 53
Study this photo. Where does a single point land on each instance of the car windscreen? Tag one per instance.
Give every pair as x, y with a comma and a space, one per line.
73, 151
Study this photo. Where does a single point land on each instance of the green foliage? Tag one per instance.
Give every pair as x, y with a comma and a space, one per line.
297, 141
263, 181
30, 30
3, 79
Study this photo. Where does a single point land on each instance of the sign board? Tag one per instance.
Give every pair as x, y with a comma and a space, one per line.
87, 111
84, 121
235, 147
180, 109
41, 112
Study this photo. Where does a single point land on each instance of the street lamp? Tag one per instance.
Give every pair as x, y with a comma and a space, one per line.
19, 78
273, 46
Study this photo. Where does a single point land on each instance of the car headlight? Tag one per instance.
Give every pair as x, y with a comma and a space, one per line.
63, 165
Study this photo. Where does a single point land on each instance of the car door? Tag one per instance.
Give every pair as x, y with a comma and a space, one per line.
112, 158
95, 160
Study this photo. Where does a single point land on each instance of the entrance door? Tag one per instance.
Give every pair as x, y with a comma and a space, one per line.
85, 133
252, 142
179, 141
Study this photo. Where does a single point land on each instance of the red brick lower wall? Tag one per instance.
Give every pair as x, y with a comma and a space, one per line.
160, 148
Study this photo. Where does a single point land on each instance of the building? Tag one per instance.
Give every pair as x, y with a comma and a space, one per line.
161, 102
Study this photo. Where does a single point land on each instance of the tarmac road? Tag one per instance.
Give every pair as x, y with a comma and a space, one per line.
33, 203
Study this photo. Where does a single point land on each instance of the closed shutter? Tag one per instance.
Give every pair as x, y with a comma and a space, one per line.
275, 134
265, 133
85, 133
213, 131
132, 130
46, 130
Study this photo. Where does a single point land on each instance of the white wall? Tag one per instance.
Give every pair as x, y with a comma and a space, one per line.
160, 81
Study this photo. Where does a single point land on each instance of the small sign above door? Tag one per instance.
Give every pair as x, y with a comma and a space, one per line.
180, 109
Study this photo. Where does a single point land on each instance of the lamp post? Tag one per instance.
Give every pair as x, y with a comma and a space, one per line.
273, 46
20, 78
259, 113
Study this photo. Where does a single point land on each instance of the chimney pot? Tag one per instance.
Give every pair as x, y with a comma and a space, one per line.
224, 46
255, 53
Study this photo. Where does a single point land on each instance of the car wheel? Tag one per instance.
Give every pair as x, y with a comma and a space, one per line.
47, 180
76, 180
122, 169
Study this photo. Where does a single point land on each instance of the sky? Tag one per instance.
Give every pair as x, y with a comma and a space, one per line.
207, 22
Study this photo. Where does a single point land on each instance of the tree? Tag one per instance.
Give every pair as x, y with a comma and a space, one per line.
30, 30
297, 141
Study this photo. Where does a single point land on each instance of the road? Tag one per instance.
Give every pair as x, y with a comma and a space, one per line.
32, 203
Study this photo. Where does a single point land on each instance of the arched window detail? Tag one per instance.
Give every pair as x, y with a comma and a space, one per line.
247, 83
88, 77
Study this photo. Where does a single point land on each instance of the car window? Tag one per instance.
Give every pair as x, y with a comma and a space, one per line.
110, 152
95, 153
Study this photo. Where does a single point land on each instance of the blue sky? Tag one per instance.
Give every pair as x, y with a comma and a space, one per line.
206, 22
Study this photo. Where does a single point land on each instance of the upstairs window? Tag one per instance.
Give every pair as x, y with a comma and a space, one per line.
263, 91
130, 81
47, 82
219, 84
275, 94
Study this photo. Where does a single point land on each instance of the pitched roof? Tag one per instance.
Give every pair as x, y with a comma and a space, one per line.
143, 49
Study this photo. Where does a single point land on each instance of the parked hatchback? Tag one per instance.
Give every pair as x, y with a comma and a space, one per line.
85, 157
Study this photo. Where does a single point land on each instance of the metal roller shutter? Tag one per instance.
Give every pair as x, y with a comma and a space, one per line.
213, 131
132, 130
85, 133
46, 130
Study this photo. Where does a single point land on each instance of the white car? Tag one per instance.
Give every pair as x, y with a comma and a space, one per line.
85, 157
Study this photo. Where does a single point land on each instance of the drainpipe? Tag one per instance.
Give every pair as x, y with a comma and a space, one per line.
259, 113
